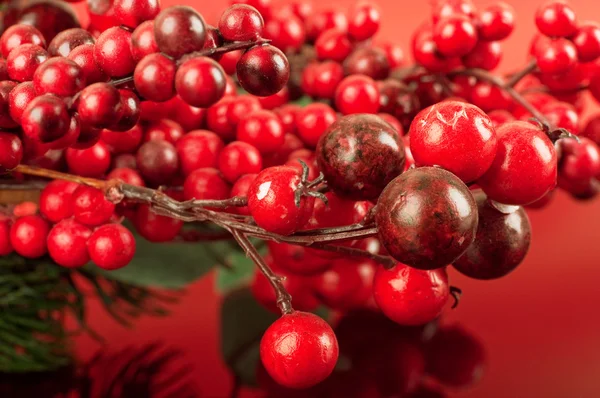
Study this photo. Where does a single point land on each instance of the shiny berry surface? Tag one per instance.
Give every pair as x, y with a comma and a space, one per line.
112, 52
67, 243
28, 236
241, 22
239, 158
179, 30
357, 94
90, 206
154, 77
556, 18
200, 82
112, 246
263, 70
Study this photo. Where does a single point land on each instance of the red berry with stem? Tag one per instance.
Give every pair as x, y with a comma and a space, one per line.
587, 42
455, 36
99, 105
410, 296
28, 236
17, 35
11, 151
5, 245
143, 41
519, 177
370, 61
84, 57
59, 76
213, 40
23, 61
127, 175
122, 142
45, 119
239, 158
495, 22
157, 161
276, 201
312, 121
287, 34
240, 188
179, 30
263, 130
368, 146
90, 206
200, 82
154, 227
333, 44
198, 149
241, 22
67, 244
486, 55
132, 13
426, 218
56, 201
154, 77
363, 21
67, 40
554, 56
18, 99
112, 246
112, 52
556, 18
263, 70
205, 183
299, 350
456, 136
357, 94
91, 162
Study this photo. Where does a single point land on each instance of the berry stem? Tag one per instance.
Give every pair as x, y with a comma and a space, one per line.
516, 77
238, 45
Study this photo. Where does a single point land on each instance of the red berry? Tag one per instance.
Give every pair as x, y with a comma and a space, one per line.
357, 94
394, 54
111, 246
5, 245
56, 201
90, 206
241, 107
592, 129
556, 18
278, 99
28, 236
522, 176
297, 259
287, 34
67, 40
45, 119
130, 111
157, 161
123, 142
312, 121
154, 77
328, 76
198, 149
426, 54
263, 130
67, 243
217, 118
240, 188
127, 175
486, 55
179, 30
455, 36
342, 286
23, 61
99, 105
363, 21
154, 227
112, 52
489, 97
143, 41
239, 158
555, 56
163, 130
272, 200
562, 115
205, 183
200, 82
287, 113
263, 70
370, 61
84, 57
91, 162
319, 22
587, 42
299, 350
499, 117
496, 22
410, 296
131, 13
264, 7
229, 61
241, 22
20, 34
188, 117
456, 136
579, 164
59, 76
6, 88
18, 99
11, 151
443, 9
333, 44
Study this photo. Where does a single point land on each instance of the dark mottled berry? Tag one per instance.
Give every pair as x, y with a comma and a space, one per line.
359, 155
426, 218
501, 243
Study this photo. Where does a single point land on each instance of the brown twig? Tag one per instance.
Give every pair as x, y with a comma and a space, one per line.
516, 77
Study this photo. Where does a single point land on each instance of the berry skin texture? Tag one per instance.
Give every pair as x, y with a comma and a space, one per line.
11, 151
312, 121
368, 146
131, 13
84, 57
555, 56
456, 136
200, 82
99, 105
556, 18
157, 161
67, 40
525, 167
67, 244
501, 243
263, 130
56, 201
587, 42
334, 45
206, 183
59, 76
143, 41
263, 70
154, 227
24, 60
198, 149
271, 200
455, 36
357, 94
426, 218
92, 162
18, 99
299, 350
239, 158
363, 21
28, 236
369, 61
578, 167
287, 34
179, 30
154, 77
410, 296
111, 246
112, 52
90, 206
45, 119
241, 22
17, 35
496, 22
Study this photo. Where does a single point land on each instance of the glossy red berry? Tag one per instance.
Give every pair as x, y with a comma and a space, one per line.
11, 151
200, 82
59, 76
19, 97
394, 54
240, 188
90, 206
272, 200
127, 175
218, 121
28, 236
179, 30
455, 36
20, 34
91, 162
67, 243
112, 52
131, 13
165, 130
157, 161
143, 41
562, 115
587, 42
67, 40
357, 94
263, 130
426, 218
99, 105
241, 22
198, 149
368, 146
519, 177
343, 285
328, 76
286, 33
333, 44
410, 296
154, 227
84, 57
369, 61
556, 18
312, 121
579, 165
299, 350
240, 107
45, 119
205, 183
263, 70
112, 246
486, 55
6, 88
154, 77
495, 22
23, 61
449, 8
554, 56
456, 136
123, 142
319, 22
56, 201
363, 21
239, 158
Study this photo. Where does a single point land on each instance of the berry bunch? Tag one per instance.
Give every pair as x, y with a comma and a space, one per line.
366, 196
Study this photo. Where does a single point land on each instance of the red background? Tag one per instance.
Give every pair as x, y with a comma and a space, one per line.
540, 324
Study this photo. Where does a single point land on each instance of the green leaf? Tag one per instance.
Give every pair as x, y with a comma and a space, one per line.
239, 272
243, 322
